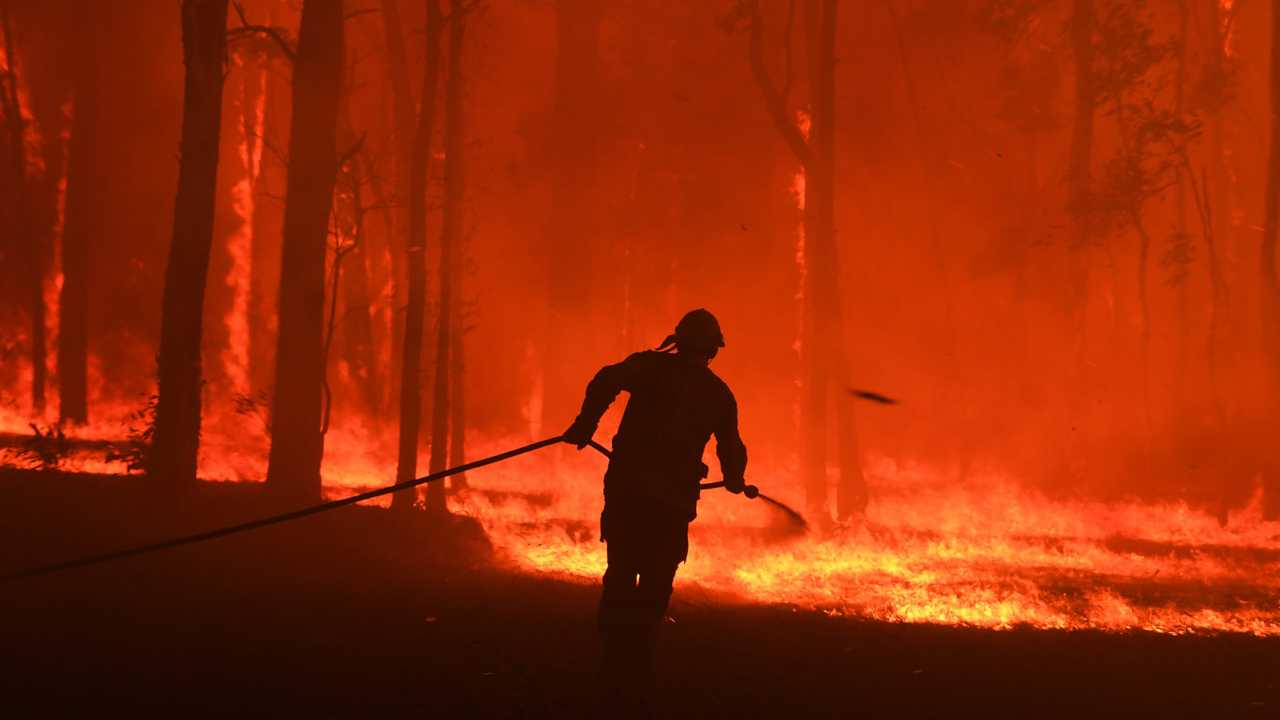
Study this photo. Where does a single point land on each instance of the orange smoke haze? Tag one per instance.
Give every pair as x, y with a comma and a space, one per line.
1044, 467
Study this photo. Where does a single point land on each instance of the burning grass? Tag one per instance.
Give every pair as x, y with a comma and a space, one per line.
988, 553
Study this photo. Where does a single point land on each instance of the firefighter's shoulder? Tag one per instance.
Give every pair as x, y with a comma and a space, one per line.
721, 387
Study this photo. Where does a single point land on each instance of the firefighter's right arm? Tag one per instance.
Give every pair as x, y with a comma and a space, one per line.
730, 449
601, 392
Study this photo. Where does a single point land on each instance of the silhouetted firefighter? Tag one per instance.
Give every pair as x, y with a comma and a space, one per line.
651, 487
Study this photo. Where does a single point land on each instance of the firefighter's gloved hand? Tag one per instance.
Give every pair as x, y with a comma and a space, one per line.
578, 435
735, 485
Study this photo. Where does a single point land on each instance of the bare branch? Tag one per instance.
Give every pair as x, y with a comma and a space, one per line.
275, 150
247, 28
774, 101
353, 150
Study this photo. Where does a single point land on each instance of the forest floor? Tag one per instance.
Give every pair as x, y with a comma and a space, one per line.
352, 613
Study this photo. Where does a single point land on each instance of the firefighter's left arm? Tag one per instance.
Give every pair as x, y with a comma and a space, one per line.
729, 447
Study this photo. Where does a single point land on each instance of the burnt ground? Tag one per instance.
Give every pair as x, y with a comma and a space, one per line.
353, 614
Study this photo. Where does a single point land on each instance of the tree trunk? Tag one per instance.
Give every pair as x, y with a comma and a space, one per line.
24, 212
415, 315
1182, 247
83, 182
1216, 211
1078, 198
172, 456
401, 99
405, 135
450, 238
822, 318
357, 324
820, 235
297, 446
457, 380
1270, 288
569, 352
1144, 321
264, 270
49, 92
814, 345
1081, 151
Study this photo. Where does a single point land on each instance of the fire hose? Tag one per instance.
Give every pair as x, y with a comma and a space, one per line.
313, 510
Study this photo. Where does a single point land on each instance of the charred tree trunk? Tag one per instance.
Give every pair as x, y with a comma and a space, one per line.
1270, 288
1081, 151
1144, 319
49, 92
820, 234
822, 342
83, 182
401, 99
405, 134
23, 216
1179, 252
415, 314
1216, 207
457, 380
450, 237
357, 324
567, 354
297, 446
1079, 187
264, 271
172, 456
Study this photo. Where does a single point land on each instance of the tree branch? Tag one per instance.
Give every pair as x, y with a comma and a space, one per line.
247, 28
774, 101
353, 150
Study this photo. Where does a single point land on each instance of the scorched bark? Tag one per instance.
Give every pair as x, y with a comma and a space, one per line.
297, 446
415, 314
172, 457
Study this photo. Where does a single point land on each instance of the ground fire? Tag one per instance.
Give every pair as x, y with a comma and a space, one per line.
997, 281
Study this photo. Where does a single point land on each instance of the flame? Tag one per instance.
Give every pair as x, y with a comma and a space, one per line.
52, 291
32, 140
235, 356
1226, 26
988, 553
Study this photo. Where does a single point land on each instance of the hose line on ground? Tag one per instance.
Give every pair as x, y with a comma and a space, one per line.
272, 520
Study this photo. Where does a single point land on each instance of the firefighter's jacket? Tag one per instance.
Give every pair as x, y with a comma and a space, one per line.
676, 405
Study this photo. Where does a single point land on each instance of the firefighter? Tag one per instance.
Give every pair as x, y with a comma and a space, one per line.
651, 487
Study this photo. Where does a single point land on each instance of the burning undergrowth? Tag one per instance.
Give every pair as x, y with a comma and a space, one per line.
986, 552
989, 554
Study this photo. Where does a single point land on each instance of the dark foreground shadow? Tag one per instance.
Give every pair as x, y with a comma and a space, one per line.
352, 614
